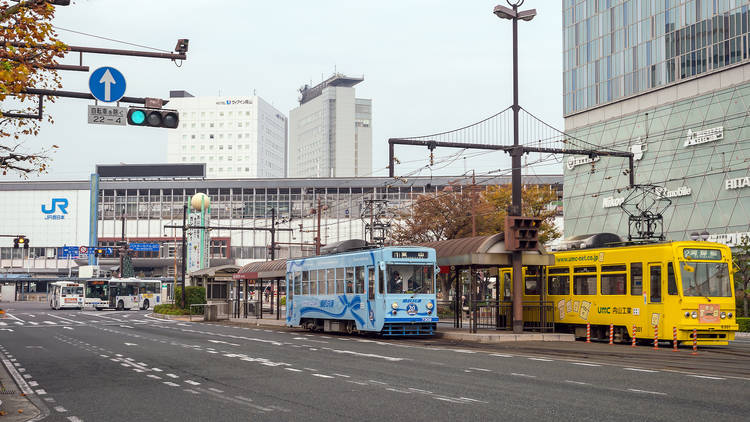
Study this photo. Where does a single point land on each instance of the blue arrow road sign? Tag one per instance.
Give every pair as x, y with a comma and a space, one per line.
107, 84
144, 247
69, 252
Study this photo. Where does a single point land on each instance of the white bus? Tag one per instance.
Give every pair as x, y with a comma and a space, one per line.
129, 293
97, 294
65, 295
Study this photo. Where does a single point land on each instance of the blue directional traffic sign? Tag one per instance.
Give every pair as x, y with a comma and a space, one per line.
107, 84
144, 247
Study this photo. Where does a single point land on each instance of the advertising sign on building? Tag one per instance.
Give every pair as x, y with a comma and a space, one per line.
704, 136
737, 183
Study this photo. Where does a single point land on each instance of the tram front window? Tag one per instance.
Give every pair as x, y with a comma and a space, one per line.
705, 279
411, 279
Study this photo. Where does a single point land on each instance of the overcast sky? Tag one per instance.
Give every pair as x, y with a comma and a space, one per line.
429, 66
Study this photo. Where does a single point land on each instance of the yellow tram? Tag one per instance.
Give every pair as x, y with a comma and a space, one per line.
650, 286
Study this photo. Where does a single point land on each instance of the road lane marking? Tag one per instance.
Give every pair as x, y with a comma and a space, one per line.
33, 323
216, 390
156, 377
16, 376
342, 375
67, 328
66, 319
248, 402
191, 391
480, 369
172, 376
61, 409
577, 382
651, 371
75, 419
646, 392
130, 344
293, 369
322, 376
541, 359
706, 377
156, 369
500, 355
191, 382
585, 364
515, 374
40, 392
15, 317
171, 384
367, 355
33, 384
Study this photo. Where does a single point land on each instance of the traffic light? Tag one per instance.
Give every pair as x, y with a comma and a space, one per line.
522, 233
153, 117
99, 252
20, 242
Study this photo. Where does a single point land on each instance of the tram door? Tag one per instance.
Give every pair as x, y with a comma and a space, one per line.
655, 307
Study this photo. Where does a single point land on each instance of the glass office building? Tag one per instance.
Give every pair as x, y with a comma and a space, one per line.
668, 80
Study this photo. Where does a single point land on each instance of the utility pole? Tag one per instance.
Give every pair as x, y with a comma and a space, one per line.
317, 238
473, 204
273, 234
122, 239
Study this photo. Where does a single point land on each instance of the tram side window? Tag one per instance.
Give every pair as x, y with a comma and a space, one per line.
381, 283
636, 279
584, 284
371, 283
359, 280
531, 285
349, 280
301, 285
655, 284
329, 276
671, 281
558, 284
340, 277
613, 283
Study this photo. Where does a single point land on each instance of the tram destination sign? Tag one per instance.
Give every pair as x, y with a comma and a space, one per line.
108, 115
409, 254
707, 254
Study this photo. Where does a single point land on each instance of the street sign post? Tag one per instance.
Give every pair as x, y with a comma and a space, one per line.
107, 84
107, 115
144, 247
69, 252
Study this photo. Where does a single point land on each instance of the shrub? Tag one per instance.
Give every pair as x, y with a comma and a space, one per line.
744, 324
193, 295
169, 309
283, 301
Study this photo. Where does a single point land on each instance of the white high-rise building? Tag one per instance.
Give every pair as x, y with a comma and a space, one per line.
330, 133
234, 136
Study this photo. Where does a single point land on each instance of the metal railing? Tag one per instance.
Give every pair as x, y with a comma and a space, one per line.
537, 316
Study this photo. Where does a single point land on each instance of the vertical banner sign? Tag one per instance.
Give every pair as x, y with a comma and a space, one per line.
198, 240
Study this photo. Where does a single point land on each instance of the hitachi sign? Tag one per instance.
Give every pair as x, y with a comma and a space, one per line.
738, 183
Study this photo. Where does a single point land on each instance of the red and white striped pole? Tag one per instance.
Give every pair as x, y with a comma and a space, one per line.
656, 336
695, 342
611, 333
674, 339
633, 337
588, 332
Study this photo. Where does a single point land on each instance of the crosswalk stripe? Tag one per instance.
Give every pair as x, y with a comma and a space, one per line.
50, 322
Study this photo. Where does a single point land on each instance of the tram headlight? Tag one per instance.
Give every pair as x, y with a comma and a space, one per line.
694, 315
687, 314
730, 315
429, 305
394, 305
723, 315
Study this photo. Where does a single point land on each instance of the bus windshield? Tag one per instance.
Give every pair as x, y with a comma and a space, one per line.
96, 291
705, 279
410, 279
72, 290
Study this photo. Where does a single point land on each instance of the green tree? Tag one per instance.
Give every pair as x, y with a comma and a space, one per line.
741, 261
30, 52
536, 200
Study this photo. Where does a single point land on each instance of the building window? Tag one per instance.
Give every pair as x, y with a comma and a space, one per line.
211, 136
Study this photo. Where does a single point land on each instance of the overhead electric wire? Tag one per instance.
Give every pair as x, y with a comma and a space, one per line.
110, 39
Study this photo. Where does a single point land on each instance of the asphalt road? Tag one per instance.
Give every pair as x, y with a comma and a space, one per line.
125, 366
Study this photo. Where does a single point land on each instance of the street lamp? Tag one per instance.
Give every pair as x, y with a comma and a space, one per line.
514, 15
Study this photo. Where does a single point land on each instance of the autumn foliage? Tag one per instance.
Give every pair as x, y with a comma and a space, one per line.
448, 214
30, 51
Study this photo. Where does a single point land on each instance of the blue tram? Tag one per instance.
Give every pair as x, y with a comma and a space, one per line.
386, 290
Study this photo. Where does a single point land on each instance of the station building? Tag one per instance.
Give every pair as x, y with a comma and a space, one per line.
136, 202
669, 81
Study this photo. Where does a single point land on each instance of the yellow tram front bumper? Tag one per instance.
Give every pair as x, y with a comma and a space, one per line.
707, 335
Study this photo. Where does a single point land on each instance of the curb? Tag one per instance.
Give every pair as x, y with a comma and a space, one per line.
503, 338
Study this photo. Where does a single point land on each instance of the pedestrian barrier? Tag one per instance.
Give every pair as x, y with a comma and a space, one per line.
695, 342
588, 332
633, 337
674, 339
656, 337
611, 333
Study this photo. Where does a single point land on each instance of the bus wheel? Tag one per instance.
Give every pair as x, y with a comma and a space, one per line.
145, 305
98, 309
120, 305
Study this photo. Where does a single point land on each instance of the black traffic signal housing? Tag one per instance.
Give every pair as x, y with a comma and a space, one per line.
100, 252
522, 233
20, 242
153, 117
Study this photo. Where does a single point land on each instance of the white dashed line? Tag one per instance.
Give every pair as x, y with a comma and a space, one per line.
584, 364
541, 359
647, 392
640, 370
515, 374
342, 375
172, 376
191, 382
577, 382
33, 384
322, 376
500, 355
171, 384
156, 377
75, 419
216, 390
191, 391
40, 392
60, 409
156, 369
480, 369
706, 377
293, 369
